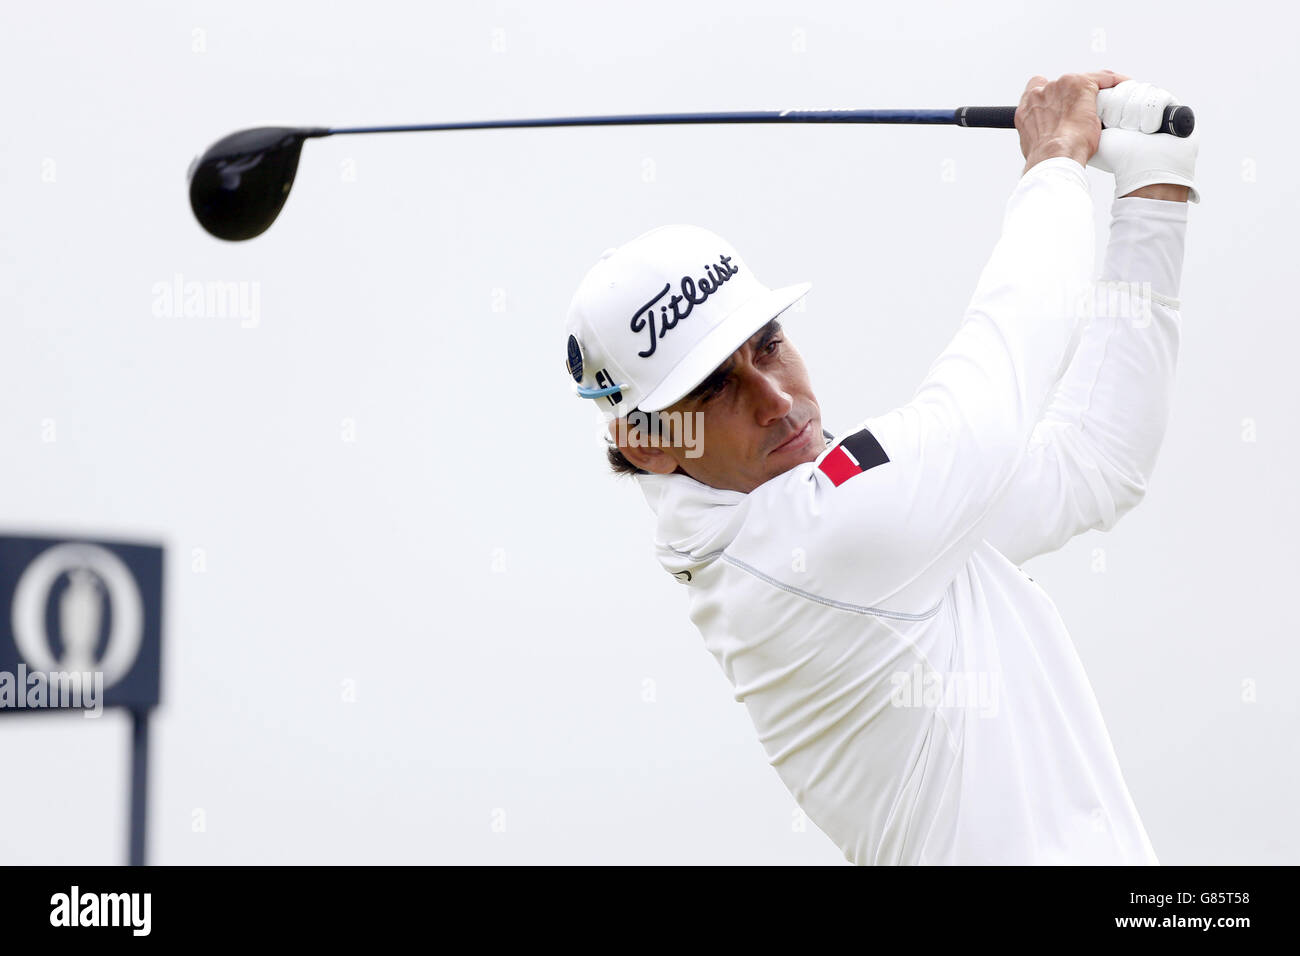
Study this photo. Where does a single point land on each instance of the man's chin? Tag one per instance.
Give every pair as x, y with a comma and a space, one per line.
779, 464
802, 447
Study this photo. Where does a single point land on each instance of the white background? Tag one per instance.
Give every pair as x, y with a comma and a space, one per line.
466, 562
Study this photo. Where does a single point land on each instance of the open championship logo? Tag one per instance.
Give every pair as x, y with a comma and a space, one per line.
88, 584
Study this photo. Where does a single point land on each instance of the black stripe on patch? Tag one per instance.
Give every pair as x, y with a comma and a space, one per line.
865, 449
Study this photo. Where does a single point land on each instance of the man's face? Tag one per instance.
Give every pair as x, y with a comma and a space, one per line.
759, 419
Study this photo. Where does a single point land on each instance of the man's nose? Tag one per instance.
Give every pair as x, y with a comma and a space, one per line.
771, 400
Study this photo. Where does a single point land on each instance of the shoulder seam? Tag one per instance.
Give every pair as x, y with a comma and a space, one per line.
829, 602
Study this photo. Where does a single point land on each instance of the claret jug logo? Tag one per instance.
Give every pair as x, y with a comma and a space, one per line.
77, 623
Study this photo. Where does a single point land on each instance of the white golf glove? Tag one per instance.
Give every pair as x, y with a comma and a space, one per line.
1130, 148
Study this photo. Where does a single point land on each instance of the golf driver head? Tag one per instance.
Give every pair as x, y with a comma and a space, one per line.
240, 184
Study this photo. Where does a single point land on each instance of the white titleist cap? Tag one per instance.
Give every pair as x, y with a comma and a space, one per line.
655, 316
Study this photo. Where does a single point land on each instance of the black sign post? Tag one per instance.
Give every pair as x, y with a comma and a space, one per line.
81, 628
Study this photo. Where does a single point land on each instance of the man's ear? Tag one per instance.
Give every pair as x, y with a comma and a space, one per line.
632, 441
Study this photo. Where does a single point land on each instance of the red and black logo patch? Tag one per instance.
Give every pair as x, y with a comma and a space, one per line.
852, 456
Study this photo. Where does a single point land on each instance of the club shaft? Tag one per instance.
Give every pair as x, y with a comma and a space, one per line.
672, 119
1178, 120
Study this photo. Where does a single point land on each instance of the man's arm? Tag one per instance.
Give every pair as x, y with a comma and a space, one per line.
1091, 457
904, 497
1166, 191
906, 524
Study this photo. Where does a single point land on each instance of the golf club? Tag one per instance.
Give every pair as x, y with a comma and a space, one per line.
239, 186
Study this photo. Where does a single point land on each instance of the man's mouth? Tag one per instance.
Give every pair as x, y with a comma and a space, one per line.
795, 441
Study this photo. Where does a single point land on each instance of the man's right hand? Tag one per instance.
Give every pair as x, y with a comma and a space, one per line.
1059, 118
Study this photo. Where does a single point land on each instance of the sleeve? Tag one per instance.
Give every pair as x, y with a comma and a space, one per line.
1091, 457
895, 507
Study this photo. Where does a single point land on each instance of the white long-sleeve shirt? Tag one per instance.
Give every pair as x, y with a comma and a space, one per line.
916, 692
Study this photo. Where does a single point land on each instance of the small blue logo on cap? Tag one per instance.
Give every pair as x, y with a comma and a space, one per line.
574, 359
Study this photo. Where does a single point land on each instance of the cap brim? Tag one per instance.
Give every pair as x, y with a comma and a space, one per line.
714, 349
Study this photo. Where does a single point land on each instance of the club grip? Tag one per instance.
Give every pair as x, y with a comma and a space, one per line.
1178, 120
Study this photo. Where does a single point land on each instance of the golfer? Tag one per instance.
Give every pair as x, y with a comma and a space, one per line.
916, 692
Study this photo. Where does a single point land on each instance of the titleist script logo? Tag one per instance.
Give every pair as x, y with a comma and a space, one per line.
693, 293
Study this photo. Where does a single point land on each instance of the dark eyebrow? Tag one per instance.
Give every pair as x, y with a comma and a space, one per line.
719, 376
768, 333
